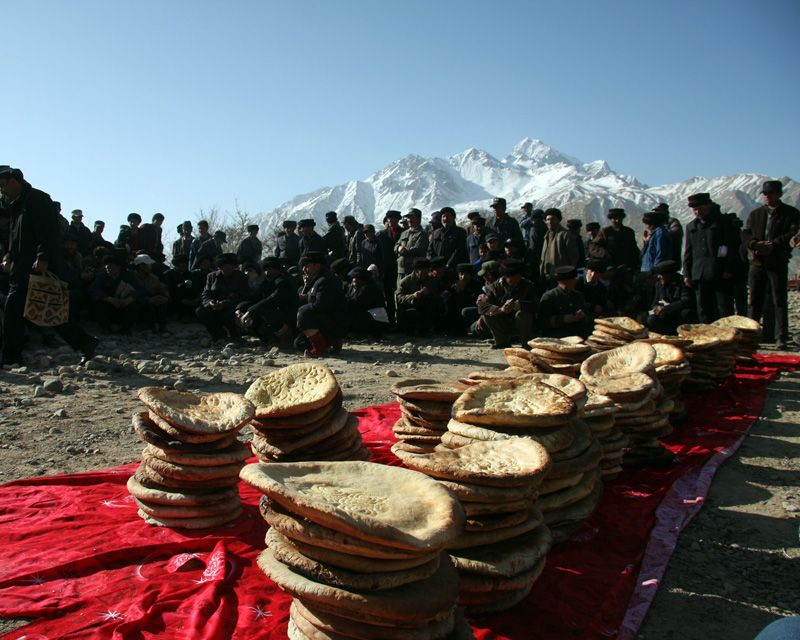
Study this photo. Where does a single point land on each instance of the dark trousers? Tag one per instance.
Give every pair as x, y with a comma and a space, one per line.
14, 322
218, 321
107, 314
330, 325
389, 287
774, 282
420, 318
714, 299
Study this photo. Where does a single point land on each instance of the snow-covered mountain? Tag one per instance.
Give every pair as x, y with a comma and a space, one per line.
532, 172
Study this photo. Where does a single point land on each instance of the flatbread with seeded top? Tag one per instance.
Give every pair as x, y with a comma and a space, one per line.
298, 388
213, 413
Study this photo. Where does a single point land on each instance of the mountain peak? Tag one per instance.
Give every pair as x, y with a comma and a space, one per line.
533, 151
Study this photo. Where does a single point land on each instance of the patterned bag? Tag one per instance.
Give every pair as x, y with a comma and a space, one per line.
47, 302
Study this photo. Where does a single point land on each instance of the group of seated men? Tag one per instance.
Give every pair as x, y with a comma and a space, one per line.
500, 278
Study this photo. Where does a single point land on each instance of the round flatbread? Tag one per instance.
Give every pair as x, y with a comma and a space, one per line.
636, 357
187, 436
203, 522
213, 413
295, 389
151, 433
522, 403
384, 504
498, 463
551, 438
144, 489
239, 452
427, 389
507, 558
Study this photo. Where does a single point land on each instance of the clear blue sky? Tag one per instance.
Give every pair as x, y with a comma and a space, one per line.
181, 105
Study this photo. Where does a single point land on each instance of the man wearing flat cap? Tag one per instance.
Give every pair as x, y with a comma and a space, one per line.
214, 247
203, 235
183, 245
34, 246
562, 310
184, 288
388, 237
418, 300
671, 305
594, 290
354, 236
709, 258
312, 242
272, 314
334, 240
674, 227
509, 306
574, 226
449, 241
115, 294
287, 246
560, 249
413, 244
503, 224
619, 242
130, 236
459, 301
250, 248
476, 238
321, 315
767, 235
225, 288
81, 232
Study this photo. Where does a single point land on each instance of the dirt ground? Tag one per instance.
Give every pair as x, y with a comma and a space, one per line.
734, 569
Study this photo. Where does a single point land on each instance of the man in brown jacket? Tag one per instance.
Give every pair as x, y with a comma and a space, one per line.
560, 249
767, 235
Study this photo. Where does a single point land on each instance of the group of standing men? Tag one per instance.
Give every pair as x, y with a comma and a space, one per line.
501, 277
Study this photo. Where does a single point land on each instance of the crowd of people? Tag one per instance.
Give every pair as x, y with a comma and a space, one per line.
499, 277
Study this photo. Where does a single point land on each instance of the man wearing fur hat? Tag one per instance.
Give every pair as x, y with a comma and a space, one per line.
767, 235
709, 258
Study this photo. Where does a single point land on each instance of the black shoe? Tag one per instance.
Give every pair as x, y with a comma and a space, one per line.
500, 345
782, 346
88, 350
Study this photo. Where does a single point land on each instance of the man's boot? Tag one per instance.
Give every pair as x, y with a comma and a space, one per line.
336, 345
319, 347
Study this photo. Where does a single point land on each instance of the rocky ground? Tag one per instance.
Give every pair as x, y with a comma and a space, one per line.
733, 570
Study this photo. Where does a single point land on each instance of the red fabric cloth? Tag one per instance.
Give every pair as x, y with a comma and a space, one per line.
78, 560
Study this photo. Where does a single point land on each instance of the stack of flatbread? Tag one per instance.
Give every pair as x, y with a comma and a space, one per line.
190, 467
542, 407
672, 368
502, 549
712, 354
299, 416
616, 331
749, 339
360, 548
556, 355
598, 414
627, 375
425, 406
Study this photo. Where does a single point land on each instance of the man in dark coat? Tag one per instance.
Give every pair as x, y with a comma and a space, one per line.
273, 313
311, 241
595, 292
708, 258
767, 235
34, 245
476, 237
413, 244
574, 226
183, 245
354, 236
335, 243
225, 289
509, 306
388, 237
130, 236
321, 315
250, 248
671, 305
461, 295
619, 242
81, 232
213, 247
365, 304
449, 241
371, 251
288, 245
418, 301
560, 249
116, 294
503, 224
184, 289
562, 310
202, 236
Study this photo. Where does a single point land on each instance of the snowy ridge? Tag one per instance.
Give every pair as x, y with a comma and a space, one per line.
532, 172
